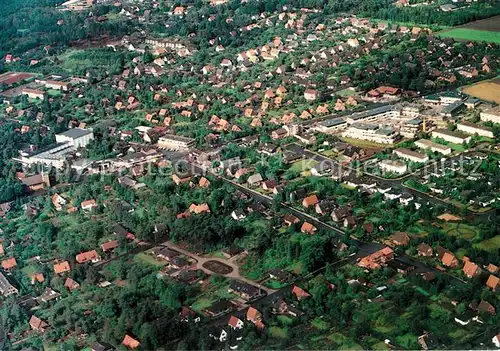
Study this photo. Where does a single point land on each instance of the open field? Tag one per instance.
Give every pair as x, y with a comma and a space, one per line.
471, 34
303, 165
488, 90
10, 78
484, 30
490, 245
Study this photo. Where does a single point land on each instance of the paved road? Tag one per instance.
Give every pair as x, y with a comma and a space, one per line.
200, 261
364, 248
393, 183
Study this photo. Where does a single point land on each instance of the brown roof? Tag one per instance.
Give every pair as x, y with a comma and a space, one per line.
449, 260
130, 342
311, 200
87, 256
37, 277
71, 284
199, 208
233, 321
88, 203
400, 238
307, 228
471, 269
492, 268
425, 249
9, 263
493, 282
109, 245
37, 324
299, 292
290, 218
61, 267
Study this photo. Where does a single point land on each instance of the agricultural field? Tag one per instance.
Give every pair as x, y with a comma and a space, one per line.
485, 30
487, 90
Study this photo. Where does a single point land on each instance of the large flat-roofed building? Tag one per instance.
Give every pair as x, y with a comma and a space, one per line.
452, 137
392, 166
471, 128
434, 147
175, 142
54, 155
410, 155
372, 132
57, 85
491, 115
411, 127
453, 109
77, 137
6, 287
371, 115
33, 93
329, 126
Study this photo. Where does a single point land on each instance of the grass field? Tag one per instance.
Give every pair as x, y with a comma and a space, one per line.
488, 90
278, 333
144, 257
490, 245
303, 165
460, 230
471, 34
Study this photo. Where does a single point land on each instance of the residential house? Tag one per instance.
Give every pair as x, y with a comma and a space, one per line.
61, 267
300, 293
400, 239
88, 205
70, 284
88, 256
9, 264
235, 323
493, 282
425, 250
244, 290
290, 219
309, 201
471, 269
130, 342
254, 316
308, 228
38, 325
109, 246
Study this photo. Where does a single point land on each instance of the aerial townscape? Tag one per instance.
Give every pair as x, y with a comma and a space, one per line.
249, 174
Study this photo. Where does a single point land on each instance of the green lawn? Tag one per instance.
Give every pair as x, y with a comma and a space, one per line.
29, 270
460, 230
201, 304
471, 34
144, 257
279, 333
285, 320
490, 245
344, 342
303, 165
320, 324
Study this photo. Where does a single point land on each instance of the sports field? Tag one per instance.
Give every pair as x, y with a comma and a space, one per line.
488, 90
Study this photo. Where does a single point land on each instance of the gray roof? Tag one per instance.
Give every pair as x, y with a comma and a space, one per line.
75, 133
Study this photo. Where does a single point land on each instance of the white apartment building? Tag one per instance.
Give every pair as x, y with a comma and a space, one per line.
452, 137
410, 155
376, 113
175, 142
372, 132
491, 115
77, 137
391, 166
471, 128
330, 126
434, 147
